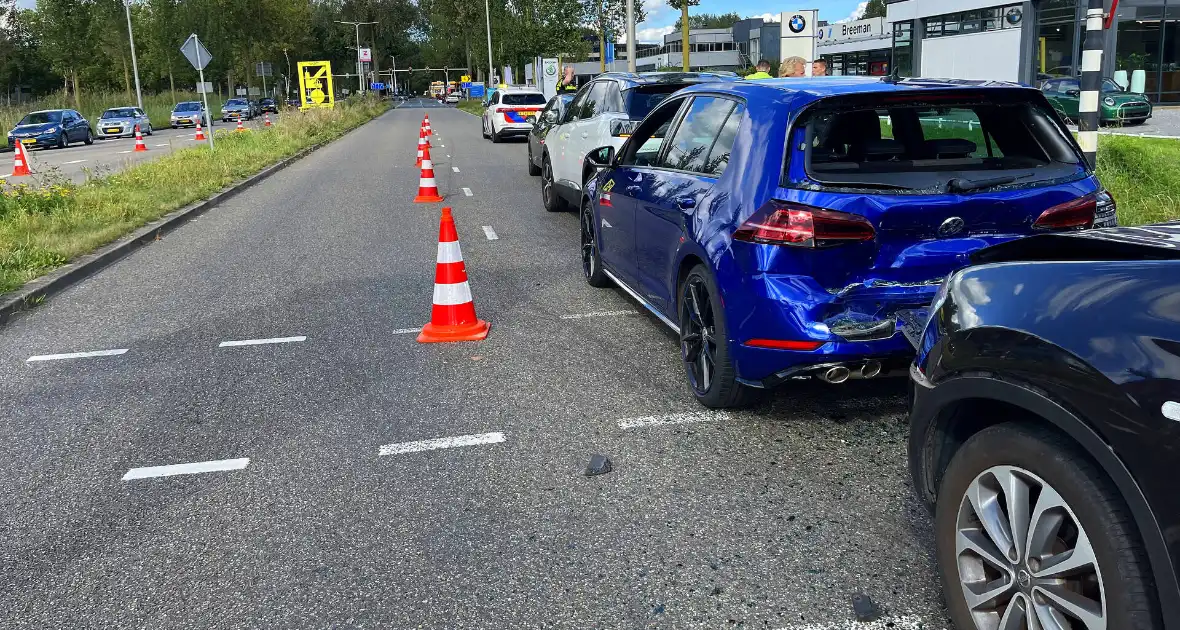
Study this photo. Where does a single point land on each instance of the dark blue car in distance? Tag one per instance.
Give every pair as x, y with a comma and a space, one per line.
784, 227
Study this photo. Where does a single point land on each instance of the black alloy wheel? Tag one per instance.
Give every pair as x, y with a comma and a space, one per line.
704, 345
591, 260
63, 139
534, 170
90, 137
549, 196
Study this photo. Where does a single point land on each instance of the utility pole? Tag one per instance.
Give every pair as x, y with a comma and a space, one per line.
288, 94
1091, 83
630, 35
134, 63
491, 64
394, 74
360, 70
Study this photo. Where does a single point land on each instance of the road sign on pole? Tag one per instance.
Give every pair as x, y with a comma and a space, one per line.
263, 69
199, 56
365, 55
315, 84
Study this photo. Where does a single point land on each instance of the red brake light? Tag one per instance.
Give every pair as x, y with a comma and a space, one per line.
804, 226
1077, 214
784, 344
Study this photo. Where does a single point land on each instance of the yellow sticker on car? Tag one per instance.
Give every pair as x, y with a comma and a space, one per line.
608, 186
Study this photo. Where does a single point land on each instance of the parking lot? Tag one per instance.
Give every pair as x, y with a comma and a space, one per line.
274, 337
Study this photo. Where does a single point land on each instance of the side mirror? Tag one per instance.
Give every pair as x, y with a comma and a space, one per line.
602, 157
550, 117
1073, 92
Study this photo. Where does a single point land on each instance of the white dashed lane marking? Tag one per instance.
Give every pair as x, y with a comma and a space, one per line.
259, 342
73, 162
166, 144
186, 469
406, 331
673, 418
467, 191
598, 314
438, 443
455, 168
75, 355
129, 150
490, 233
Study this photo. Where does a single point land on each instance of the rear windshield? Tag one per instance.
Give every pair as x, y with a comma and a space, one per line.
188, 107
522, 99
40, 118
119, 113
919, 148
641, 100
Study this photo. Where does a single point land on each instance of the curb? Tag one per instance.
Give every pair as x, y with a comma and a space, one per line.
37, 290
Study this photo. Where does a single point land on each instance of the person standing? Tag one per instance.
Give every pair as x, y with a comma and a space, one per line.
793, 67
762, 71
819, 68
568, 83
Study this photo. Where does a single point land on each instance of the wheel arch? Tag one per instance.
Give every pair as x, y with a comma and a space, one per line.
963, 405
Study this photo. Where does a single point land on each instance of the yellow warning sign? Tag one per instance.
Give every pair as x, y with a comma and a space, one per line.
315, 84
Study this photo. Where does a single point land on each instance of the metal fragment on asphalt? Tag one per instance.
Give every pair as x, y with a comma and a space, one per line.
599, 465
75, 355
865, 608
674, 418
187, 469
438, 443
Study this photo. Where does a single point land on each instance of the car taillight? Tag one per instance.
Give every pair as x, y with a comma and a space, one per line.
783, 223
1071, 215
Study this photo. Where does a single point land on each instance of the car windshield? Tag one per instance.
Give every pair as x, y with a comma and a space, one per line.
235, 101
188, 107
1110, 86
268, 101
641, 100
125, 112
987, 141
523, 99
41, 118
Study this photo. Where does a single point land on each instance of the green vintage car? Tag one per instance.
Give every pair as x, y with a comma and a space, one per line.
1115, 105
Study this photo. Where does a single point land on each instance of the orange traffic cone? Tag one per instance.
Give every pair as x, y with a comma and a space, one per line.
427, 189
240, 128
422, 145
452, 317
20, 162
200, 133
139, 145
266, 117
426, 124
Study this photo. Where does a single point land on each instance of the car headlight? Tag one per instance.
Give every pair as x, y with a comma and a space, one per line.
1109, 101
50, 130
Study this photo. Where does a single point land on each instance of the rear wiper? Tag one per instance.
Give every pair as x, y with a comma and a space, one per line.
960, 184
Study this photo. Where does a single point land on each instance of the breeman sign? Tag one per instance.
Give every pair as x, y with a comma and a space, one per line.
850, 31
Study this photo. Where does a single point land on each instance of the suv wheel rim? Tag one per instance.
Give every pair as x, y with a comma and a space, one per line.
1024, 559
698, 343
588, 263
547, 184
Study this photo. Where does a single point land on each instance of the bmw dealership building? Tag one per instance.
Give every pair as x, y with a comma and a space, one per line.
1025, 41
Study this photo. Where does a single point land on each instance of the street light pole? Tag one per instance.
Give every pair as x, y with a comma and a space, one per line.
134, 63
630, 35
491, 64
394, 74
360, 73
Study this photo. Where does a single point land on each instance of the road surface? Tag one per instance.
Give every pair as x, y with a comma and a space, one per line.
343, 475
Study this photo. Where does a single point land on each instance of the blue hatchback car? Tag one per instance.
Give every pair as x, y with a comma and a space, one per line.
784, 228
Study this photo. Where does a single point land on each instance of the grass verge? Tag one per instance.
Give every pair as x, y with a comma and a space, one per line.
41, 229
471, 106
1142, 175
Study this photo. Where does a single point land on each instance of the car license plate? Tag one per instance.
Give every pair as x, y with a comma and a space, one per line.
29, 141
112, 130
189, 120
912, 323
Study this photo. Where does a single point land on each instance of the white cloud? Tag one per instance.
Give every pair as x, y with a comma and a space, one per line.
857, 13
767, 17
651, 35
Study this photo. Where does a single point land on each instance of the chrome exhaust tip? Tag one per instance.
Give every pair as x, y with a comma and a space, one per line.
836, 374
870, 369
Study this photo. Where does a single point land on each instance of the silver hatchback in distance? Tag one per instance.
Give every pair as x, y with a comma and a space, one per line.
120, 122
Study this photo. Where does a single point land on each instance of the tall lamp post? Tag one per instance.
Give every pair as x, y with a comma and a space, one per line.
134, 63
630, 35
491, 64
360, 78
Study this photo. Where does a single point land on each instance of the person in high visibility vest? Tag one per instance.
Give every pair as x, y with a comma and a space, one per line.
762, 71
568, 83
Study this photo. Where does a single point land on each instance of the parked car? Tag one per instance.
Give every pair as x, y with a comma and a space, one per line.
119, 122
549, 117
236, 109
268, 105
511, 112
51, 128
603, 112
780, 226
1116, 105
188, 114
1044, 427
452, 99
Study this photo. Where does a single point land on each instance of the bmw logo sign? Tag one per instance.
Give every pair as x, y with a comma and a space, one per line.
1014, 16
797, 24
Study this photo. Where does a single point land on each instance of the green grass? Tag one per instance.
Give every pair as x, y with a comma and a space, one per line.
1143, 174
156, 106
472, 106
41, 229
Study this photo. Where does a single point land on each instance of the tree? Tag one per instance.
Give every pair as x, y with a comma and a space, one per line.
874, 9
684, 24
711, 20
64, 29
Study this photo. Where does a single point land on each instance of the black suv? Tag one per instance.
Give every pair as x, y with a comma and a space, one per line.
1045, 430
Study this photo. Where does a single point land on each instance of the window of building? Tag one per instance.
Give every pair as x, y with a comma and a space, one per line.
965, 22
903, 48
862, 63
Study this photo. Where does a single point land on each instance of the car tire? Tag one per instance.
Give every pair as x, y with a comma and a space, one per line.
1044, 472
483, 127
592, 268
550, 198
149, 127
704, 346
174, 126
89, 137
495, 136
63, 140
534, 170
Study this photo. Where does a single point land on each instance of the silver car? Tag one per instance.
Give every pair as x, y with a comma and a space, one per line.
120, 122
188, 114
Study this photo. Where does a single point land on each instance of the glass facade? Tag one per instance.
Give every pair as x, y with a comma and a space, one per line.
862, 63
903, 48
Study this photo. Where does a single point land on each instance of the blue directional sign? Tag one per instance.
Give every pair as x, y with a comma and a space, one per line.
376, 86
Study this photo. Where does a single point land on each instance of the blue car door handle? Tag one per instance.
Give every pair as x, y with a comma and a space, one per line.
686, 203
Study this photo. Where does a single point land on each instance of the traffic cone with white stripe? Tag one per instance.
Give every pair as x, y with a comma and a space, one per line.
266, 117
427, 188
422, 145
139, 145
20, 163
452, 317
200, 133
426, 124
240, 128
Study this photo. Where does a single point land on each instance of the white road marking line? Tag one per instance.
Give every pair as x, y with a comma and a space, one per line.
447, 442
445, 146
259, 342
75, 355
73, 162
455, 168
905, 622
673, 418
490, 233
449, 155
405, 331
166, 144
121, 152
186, 469
467, 191
598, 314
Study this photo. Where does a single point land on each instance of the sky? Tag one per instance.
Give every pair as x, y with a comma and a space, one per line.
661, 17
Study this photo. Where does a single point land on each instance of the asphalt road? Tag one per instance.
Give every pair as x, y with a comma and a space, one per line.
770, 518
80, 161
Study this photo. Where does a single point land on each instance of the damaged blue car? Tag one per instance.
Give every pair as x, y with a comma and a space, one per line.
789, 228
